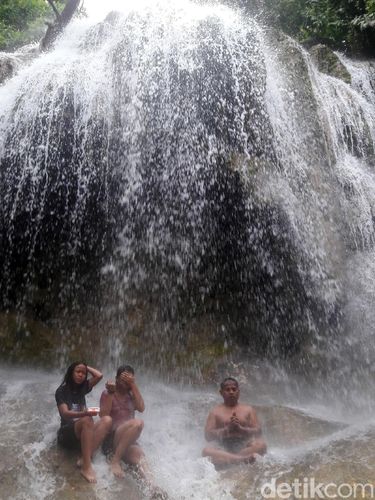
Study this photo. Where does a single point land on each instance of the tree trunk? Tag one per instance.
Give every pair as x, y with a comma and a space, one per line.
62, 20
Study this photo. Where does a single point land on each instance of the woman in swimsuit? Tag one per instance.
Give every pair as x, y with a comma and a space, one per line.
119, 401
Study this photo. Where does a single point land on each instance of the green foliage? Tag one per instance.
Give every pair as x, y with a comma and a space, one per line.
329, 21
290, 14
23, 21
367, 20
18, 13
19, 19
340, 23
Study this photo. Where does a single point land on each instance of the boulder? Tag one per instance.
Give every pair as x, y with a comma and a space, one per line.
8, 65
28, 52
329, 63
26, 339
10, 62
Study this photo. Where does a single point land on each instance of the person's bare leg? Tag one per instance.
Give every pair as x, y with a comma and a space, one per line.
101, 429
134, 456
125, 436
257, 446
84, 429
222, 457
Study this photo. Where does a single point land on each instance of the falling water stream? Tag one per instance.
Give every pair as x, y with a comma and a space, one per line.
183, 188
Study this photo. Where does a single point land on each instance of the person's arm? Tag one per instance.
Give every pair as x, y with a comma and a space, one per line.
67, 414
139, 404
62, 401
211, 431
96, 376
106, 399
252, 427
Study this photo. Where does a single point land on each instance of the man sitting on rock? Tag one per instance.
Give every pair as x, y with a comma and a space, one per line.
235, 429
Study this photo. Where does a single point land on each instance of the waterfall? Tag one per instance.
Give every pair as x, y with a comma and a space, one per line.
183, 189
179, 169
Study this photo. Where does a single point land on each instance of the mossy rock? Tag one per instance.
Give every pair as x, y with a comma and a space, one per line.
8, 65
24, 339
323, 450
328, 62
285, 426
188, 349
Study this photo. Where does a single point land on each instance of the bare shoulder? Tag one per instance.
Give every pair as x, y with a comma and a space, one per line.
250, 415
219, 412
216, 410
247, 409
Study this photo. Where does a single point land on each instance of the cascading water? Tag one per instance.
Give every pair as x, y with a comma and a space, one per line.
149, 153
182, 179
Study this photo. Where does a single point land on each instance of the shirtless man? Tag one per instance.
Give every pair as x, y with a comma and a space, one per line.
235, 428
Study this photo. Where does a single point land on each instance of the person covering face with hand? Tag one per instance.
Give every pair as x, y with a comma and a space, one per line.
120, 400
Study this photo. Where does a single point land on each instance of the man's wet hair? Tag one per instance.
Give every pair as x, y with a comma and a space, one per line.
228, 379
124, 368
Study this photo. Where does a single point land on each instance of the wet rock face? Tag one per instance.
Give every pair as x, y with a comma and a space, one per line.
328, 62
10, 62
8, 65
191, 239
306, 450
27, 340
167, 171
298, 444
284, 426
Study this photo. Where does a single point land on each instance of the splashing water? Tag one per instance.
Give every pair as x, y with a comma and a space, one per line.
177, 172
170, 163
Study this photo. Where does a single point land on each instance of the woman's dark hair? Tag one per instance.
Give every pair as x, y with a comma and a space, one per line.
68, 378
124, 368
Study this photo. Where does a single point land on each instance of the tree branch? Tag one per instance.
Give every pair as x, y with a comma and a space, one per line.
61, 22
54, 8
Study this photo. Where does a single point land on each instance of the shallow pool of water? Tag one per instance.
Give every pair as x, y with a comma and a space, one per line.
303, 443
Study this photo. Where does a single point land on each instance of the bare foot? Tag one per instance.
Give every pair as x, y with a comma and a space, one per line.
89, 474
117, 470
79, 462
